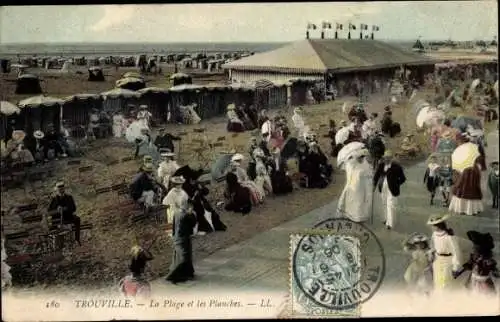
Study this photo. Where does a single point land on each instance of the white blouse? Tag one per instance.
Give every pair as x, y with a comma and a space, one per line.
446, 244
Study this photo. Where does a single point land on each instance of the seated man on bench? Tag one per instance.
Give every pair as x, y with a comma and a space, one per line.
144, 189
64, 204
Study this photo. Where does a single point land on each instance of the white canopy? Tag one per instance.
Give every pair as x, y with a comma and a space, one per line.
40, 100
8, 108
119, 92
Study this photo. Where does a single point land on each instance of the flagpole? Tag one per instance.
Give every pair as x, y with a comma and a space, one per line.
361, 31
349, 34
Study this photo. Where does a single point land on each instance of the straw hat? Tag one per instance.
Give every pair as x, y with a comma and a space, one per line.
147, 167
143, 107
297, 109
494, 163
38, 134
388, 154
276, 150
237, 157
18, 135
417, 238
436, 219
59, 184
177, 180
147, 158
231, 107
258, 153
168, 155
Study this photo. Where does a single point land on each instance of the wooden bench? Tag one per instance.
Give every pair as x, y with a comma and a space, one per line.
74, 162
18, 235
102, 190
29, 219
27, 207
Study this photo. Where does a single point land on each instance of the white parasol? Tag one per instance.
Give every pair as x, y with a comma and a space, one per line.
429, 116
348, 151
342, 135
464, 156
419, 105
134, 131
8, 108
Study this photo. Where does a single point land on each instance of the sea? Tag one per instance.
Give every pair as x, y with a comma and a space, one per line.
104, 49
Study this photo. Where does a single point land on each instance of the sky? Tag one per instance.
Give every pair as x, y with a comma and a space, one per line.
245, 22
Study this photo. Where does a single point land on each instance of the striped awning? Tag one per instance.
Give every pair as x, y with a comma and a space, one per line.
263, 84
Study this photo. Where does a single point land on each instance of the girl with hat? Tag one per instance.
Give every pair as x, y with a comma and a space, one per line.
135, 284
144, 116
446, 252
431, 176
263, 180
481, 264
418, 275
298, 121
167, 167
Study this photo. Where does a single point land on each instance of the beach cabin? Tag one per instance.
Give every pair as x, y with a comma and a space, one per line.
240, 94
40, 113
117, 100
96, 74
28, 84
8, 113
131, 83
180, 79
76, 108
5, 66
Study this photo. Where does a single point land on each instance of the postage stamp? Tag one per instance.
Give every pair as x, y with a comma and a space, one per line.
334, 268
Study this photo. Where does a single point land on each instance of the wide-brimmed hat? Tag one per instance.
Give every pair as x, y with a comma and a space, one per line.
417, 238
237, 157
494, 163
297, 109
388, 154
276, 150
38, 134
59, 184
18, 135
161, 129
482, 240
147, 167
177, 180
387, 108
168, 154
143, 106
147, 158
258, 153
231, 107
436, 219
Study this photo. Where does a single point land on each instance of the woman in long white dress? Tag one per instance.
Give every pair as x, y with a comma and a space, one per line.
447, 254
356, 200
263, 180
118, 125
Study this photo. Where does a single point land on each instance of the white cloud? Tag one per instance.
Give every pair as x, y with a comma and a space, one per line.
113, 16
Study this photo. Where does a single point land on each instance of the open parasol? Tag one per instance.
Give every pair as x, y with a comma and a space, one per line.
349, 151
7, 108
464, 156
419, 105
462, 122
342, 135
219, 168
429, 116
188, 173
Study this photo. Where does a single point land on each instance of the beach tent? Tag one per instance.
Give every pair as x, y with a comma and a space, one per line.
96, 74
5, 66
117, 100
157, 99
131, 83
41, 112
66, 67
8, 112
181, 78
76, 108
28, 84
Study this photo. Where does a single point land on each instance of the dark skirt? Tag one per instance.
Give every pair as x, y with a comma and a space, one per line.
203, 225
251, 170
432, 184
181, 268
282, 184
235, 127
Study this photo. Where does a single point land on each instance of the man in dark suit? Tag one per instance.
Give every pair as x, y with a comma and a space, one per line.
389, 177
63, 204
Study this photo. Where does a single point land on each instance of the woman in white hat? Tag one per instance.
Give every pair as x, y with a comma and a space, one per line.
167, 167
144, 116
237, 169
298, 122
234, 123
446, 252
418, 275
174, 197
263, 180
